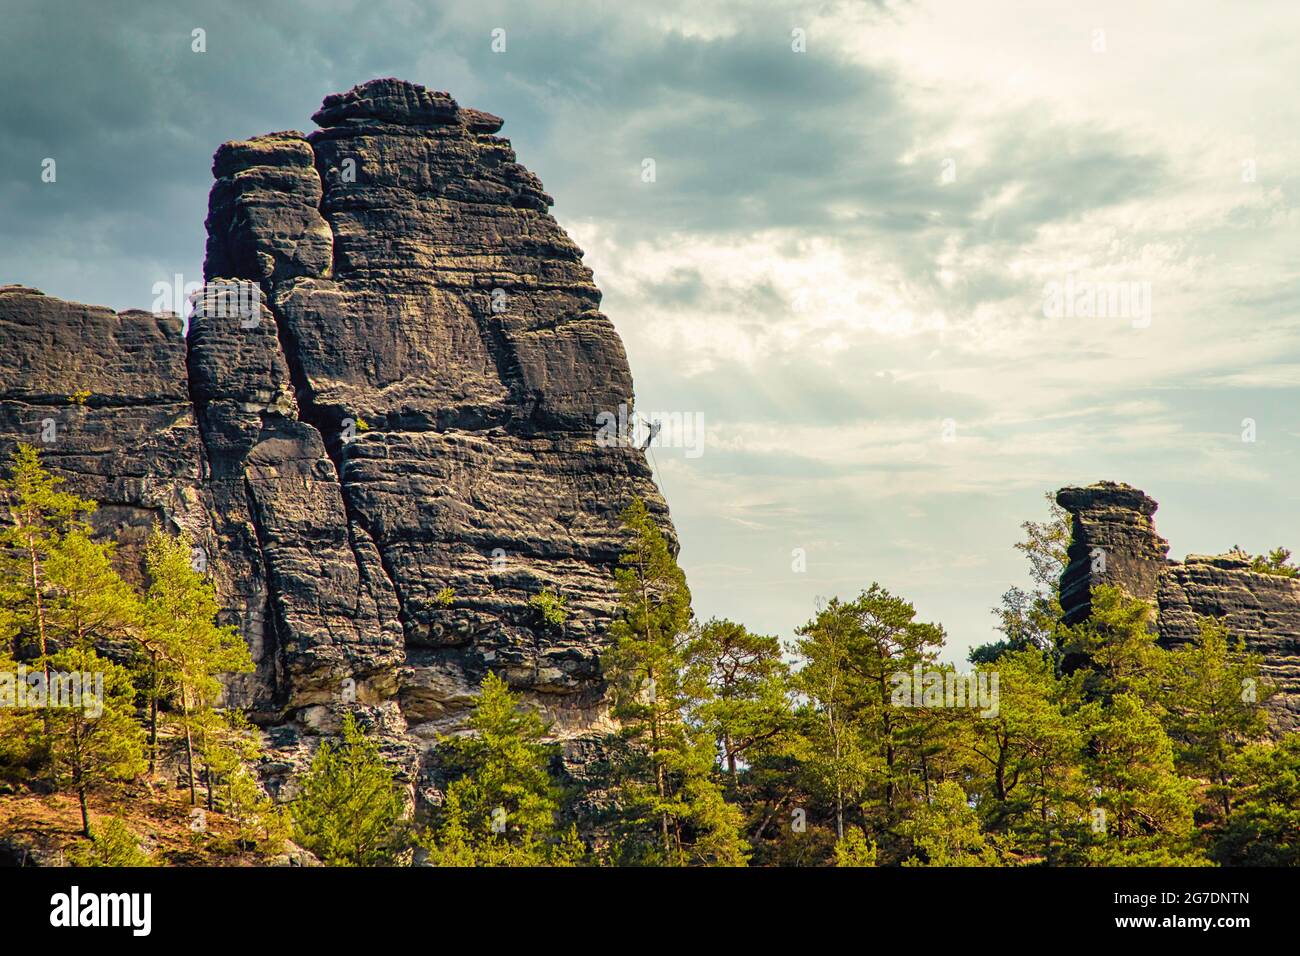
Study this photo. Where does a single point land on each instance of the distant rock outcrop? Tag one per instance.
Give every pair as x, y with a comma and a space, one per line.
1114, 541
393, 449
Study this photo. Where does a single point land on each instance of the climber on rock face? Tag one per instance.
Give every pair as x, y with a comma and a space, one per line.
654, 427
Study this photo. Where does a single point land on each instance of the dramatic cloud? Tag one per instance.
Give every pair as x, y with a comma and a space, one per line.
843, 259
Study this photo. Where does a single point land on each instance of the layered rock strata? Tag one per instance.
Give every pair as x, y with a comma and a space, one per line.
1114, 541
379, 429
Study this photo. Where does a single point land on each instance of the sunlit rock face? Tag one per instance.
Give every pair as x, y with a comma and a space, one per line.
389, 446
1114, 541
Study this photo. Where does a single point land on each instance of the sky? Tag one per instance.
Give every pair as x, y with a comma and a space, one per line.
865, 257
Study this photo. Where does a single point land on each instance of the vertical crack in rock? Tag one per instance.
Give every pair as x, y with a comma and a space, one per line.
338, 622
335, 448
262, 626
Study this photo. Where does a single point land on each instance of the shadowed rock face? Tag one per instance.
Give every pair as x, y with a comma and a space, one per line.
1115, 521
1113, 541
408, 407
105, 397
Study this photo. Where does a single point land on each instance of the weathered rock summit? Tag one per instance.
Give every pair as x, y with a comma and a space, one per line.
1114, 541
389, 447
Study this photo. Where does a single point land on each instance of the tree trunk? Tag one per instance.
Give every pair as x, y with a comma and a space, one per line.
40, 631
189, 746
153, 711
85, 816
839, 811
79, 780
40, 608
207, 763
660, 785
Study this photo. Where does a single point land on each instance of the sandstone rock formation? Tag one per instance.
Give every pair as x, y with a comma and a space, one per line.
105, 397
392, 449
1114, 541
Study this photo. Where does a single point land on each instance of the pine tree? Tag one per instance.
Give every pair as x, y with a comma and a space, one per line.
1264, 829
111, 844
22, 741
185, 650
228, 746
872, 753
1276, 562
349, 811
1212, 698
90, 606
946, 832
669, 773
854, 850
1131, 763
1027, 767
39, 517
837, 757
1117, 644
502, 805
99, 741
1031, 619
743, 685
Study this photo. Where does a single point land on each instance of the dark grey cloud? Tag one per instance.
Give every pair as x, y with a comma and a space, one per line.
131, 115
746, 134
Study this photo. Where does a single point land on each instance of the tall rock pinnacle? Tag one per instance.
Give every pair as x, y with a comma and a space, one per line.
1114, 541
394, 448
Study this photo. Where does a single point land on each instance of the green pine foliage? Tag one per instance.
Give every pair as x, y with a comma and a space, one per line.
1031, 618
1101, 747
742, 683
945, 831
675, 811
1024, 763
185, 649
552, 608
90, 605
1211, 697
503, 805
40, 517
1276, 562
350, 810
100, 740
111, 843
854, 850
869, 757
1263, 827
22, 741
